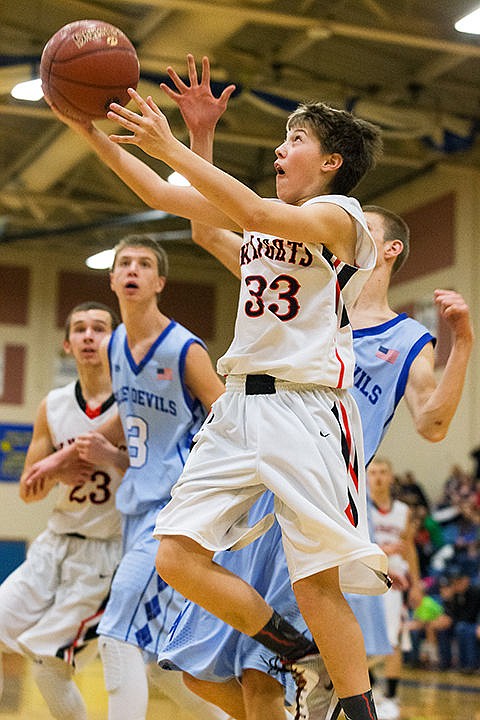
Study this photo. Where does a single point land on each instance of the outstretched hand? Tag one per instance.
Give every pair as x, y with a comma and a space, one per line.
199, 107
150, 129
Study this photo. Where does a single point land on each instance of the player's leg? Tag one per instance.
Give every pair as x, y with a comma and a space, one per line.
125, 679
54, 679
172, 684
67, 626
189, 568
263, 696
226, 695
257, 696
339, 637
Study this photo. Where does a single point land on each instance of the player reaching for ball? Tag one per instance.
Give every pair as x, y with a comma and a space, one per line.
288, 370
213, 654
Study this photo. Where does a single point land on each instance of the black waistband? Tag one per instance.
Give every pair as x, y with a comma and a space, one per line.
259, 385
77, 535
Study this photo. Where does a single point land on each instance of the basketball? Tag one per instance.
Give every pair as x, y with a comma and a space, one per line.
87, 65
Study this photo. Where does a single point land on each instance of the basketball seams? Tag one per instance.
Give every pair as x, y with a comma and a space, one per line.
82, 80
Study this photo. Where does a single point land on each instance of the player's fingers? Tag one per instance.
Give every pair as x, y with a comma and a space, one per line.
176, 79
192, 71
205, 70
124, 139
168, 91
227, 93
138, 100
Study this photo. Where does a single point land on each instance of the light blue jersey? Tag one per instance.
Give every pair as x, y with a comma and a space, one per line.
158, 415
209, 649
159, 418
383, 357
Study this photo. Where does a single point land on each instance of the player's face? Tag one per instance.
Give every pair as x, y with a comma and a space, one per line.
377, 231
380, 476
299, 166
135, 274
88, 328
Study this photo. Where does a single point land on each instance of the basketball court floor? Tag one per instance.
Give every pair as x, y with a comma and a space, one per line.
425, 695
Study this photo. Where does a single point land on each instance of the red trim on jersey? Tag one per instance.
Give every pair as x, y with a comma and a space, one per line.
92, 412
341, 373
349, 514
348, 436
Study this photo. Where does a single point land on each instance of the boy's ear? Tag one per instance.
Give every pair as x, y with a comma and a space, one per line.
393, 248
66, 347
332, 162
161, 282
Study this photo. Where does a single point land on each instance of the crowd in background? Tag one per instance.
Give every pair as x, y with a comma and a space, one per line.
445, 627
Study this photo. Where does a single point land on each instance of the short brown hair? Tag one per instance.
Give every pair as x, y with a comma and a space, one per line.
148, 241
90, 305
357, 141
394, 228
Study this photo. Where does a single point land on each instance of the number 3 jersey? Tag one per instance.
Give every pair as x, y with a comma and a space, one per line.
87, 509
159, 416
292, 319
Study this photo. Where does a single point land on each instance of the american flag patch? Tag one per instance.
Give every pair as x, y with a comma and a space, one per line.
164, 374
387, 354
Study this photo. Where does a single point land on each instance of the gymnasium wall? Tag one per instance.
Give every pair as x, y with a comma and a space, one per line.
39, 285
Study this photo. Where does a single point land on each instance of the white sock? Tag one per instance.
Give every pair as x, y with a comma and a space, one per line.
125, 679
171, 684
59, 691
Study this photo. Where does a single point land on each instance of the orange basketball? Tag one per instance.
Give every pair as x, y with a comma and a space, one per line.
87, 65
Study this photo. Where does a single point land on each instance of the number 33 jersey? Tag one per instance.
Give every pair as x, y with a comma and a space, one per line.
87, 509
292, 319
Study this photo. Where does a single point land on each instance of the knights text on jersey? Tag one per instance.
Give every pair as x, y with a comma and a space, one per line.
383, 357
158, 415
292, 318
89, 508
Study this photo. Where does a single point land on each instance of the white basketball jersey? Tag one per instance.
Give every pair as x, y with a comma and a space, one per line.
87, 509
389, 527
292, 318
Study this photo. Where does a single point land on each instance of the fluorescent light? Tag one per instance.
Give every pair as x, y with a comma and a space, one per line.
176, 179
470, 23
101, 260
29, 90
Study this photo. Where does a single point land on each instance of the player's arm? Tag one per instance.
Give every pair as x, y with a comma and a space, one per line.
145, 182
411, 555
433, 404
95, 448
201, 111
200, 376
321, 223
107, 445
40, 446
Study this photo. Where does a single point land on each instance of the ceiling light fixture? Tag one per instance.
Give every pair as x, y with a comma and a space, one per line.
29, 90
101, 260
469, 23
